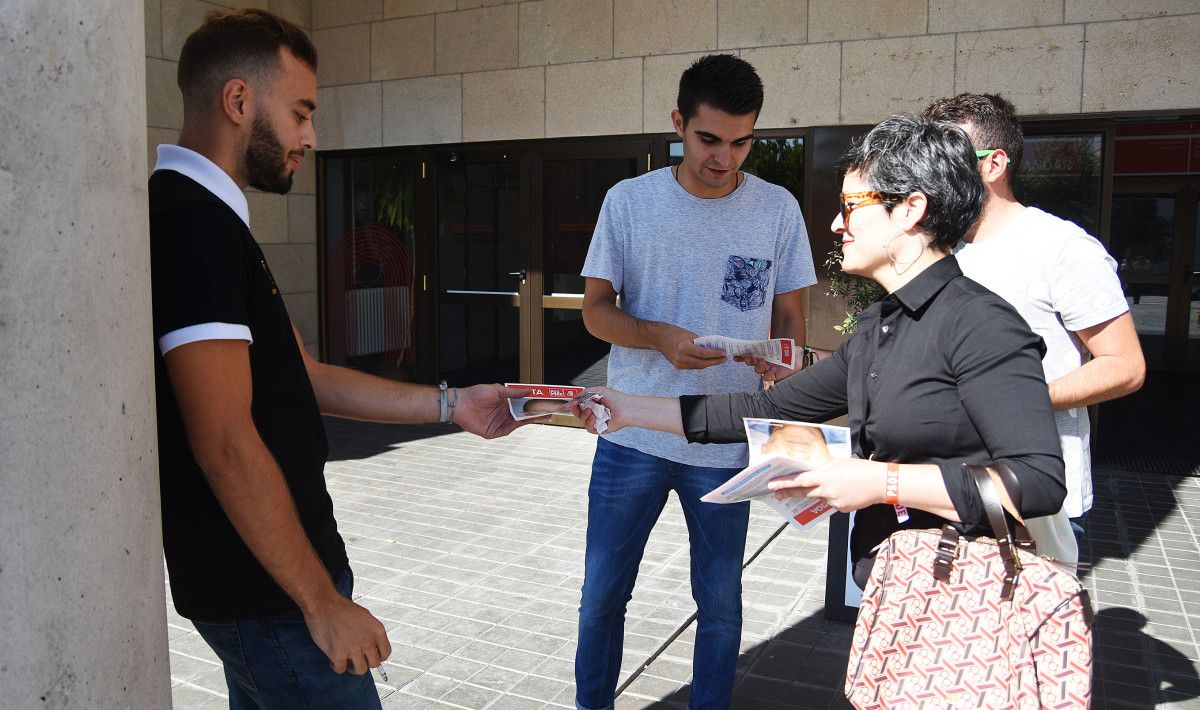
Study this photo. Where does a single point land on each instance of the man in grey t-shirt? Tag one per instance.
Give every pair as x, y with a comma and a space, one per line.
1058, 277
699, 250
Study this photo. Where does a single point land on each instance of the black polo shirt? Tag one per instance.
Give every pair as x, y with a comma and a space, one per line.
206, 268
942, 371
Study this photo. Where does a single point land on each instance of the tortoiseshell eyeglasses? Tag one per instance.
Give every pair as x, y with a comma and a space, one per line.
865, 199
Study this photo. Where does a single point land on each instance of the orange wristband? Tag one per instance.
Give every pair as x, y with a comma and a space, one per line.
892, 488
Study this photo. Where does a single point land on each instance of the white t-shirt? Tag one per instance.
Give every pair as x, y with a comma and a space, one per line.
1061, 280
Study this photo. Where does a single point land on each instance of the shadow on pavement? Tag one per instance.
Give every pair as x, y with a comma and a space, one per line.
1150, 671
351, 440
805, 667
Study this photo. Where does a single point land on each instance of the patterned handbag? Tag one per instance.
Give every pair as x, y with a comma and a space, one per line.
947, 622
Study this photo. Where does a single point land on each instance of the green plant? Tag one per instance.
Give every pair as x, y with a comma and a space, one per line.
395, 204
858, 291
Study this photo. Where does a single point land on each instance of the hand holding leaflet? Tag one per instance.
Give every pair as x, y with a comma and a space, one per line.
778, 351
781, 449
545, 400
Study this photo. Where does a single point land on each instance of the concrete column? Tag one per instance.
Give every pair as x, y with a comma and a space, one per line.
82, 619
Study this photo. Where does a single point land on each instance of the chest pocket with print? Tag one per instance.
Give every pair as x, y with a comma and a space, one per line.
746, 282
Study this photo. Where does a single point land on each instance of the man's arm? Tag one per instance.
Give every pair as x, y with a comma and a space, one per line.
212, 384
607, 322
342, 392
1116, 369
787, 316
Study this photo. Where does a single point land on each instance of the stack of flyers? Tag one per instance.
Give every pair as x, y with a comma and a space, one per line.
777, 351
545, 400
782, 449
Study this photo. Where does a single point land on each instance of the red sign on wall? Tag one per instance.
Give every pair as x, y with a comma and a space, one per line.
1157, 149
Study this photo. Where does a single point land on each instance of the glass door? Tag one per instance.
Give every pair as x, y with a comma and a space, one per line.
1156, 240
570, 182
370, 305
481, 266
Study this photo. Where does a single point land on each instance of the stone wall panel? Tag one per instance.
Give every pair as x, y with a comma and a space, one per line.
594, 98
343, 54
800, 84
1141, 65
559, 31
477, 40
402, 48
642, 28
1038, 69
883, 77
761, 23
504, 105
425, 110
830, 20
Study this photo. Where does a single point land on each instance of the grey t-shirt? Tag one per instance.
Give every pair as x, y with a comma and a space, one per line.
711, 266
1061, 280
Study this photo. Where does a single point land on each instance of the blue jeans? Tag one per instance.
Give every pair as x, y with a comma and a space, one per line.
274, 663
1077, 526
627, 493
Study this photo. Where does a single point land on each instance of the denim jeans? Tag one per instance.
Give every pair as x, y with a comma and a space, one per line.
1077, 526
627, 493
274, 663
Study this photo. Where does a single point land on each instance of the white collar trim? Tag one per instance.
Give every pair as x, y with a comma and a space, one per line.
204, 171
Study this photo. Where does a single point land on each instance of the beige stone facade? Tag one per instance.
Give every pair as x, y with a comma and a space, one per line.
412, 72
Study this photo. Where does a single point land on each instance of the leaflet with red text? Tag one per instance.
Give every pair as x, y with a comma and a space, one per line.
780, 449
545, 400
778, 351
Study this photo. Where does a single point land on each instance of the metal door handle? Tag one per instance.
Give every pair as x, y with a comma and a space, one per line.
519, 274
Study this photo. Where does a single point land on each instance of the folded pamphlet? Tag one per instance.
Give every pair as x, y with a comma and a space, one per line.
777, 351
545, 400
782, 449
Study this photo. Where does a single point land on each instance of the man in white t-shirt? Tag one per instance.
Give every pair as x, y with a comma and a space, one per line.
1058, 277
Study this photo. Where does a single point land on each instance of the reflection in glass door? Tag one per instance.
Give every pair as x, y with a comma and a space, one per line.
572, 191
1156, 240
370, 255
479, 269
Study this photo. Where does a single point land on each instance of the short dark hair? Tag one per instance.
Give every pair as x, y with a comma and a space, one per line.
906, 154
241, 44
993, 122
722, 81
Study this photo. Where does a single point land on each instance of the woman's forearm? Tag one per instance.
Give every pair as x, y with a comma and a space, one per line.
658, 413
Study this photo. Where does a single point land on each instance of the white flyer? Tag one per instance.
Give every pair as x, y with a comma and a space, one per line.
544, 400
780, 449
778, 351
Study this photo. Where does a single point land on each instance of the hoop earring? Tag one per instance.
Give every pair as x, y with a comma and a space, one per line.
902, 266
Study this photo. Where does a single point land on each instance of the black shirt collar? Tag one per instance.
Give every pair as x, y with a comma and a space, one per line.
918, 292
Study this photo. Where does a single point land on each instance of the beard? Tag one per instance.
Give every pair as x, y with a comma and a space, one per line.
266, 159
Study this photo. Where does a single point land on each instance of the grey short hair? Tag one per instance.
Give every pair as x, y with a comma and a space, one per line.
906, 154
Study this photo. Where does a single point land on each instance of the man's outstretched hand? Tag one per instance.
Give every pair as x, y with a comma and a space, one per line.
483, 410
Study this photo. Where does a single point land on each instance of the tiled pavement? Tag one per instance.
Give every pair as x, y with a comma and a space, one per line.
470, 552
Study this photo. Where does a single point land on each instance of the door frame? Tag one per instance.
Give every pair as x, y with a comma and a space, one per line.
638, 149
1183, 274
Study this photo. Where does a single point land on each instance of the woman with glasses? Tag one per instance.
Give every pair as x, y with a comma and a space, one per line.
940, 373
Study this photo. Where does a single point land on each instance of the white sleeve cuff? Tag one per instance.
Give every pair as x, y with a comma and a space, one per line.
203, 331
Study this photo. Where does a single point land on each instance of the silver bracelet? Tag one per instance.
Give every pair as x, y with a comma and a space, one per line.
453, 403
443, 406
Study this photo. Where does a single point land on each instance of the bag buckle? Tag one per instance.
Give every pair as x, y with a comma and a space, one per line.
947, 550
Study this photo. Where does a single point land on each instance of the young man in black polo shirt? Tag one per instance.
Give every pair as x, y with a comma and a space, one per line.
252, 548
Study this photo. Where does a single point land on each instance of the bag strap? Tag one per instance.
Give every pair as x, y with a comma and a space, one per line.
989, 493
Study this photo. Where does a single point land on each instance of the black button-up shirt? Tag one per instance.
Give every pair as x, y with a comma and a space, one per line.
942, 371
